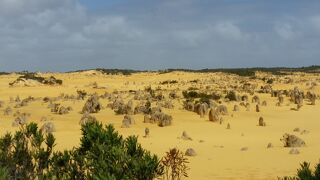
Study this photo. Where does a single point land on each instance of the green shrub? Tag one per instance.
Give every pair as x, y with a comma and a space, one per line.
4, 173
305, 173
169, 82
203, 100
231, 95
194, 81
125, 72
203, 97
193, 88
190, 94
103, 154
26, 155
270, 81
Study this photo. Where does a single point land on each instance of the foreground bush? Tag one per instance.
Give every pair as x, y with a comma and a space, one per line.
305, 173
103, 154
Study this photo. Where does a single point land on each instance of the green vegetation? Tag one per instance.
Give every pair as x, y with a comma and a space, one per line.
194, 81
251, 71
248, 72
125, 72
305, 173
33, 76
270, 81
103, 154
193, 88
169, 82
231, 95
267, 80
202, 96
190, 94
4, 173
4, 73
175, 165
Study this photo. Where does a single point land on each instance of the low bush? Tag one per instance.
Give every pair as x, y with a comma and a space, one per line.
103, 154
33, 76
203, 96
231, 95
169, 82
190, 94
270, 81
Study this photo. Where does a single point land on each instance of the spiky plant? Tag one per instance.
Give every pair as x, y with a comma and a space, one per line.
175, 165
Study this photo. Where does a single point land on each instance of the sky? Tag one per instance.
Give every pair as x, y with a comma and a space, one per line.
66, 35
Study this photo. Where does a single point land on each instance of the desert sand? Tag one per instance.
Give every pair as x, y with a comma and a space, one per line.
237, 153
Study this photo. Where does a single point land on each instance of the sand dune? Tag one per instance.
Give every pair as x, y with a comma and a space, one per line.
219, 154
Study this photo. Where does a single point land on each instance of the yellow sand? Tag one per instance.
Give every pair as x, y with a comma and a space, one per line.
212, 160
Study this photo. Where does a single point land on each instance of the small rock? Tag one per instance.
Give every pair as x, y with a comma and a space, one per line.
294, 151
257, 108
20, 120
48, 127
235, 108
127, 121
87, 118
221, 120
244, 149
264, 103
146, 132
269, 146
43, 118
261, 122
290, 140
8, 111
185, 136
296, 130
190, 152
304, 132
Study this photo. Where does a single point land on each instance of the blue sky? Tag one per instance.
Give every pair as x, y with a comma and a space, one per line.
62, 35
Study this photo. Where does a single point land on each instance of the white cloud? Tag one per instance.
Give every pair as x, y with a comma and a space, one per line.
192, 37
229, 30
315, 21
22, 7
105, 25
58, 29
285, 31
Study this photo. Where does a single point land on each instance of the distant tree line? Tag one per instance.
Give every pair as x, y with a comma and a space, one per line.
251, 71
237, 71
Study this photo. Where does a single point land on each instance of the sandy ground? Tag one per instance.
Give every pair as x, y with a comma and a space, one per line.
218, 154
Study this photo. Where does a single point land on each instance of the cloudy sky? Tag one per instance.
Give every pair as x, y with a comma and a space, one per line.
62, 35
